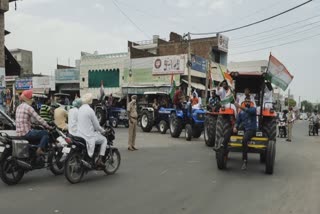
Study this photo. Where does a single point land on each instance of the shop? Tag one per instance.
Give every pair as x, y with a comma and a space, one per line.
68, 81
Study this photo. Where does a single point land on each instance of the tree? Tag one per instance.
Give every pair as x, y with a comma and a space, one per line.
307, 106
292, 102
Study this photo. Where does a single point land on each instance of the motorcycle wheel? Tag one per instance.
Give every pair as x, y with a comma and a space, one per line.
113, 160
56, 167
74, 170
10, 172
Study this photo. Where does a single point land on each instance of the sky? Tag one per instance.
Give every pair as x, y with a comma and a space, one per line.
58, 30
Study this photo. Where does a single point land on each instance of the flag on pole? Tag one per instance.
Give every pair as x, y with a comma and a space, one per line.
278, 74
172, 87
228, 99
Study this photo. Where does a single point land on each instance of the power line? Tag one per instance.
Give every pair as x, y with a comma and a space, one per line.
132, 22
276, 28
278, 36
254, 23
279, 45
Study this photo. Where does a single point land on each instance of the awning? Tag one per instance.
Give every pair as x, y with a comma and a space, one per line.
196, 85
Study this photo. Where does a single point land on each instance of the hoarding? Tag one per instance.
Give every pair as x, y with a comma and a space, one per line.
223, 43
24, 84
198, 63
67, 75
2, 78
174, 64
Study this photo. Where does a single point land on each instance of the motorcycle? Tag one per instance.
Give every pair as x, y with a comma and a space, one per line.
18, 156
312, 128
282, 126
78, 162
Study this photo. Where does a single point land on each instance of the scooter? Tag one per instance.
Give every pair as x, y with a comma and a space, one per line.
282, 126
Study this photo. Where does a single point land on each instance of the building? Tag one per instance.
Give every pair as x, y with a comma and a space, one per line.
67, 80
107, 67
141, 71
24, 58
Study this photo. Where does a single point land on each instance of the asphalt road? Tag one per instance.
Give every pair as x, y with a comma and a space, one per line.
174, 176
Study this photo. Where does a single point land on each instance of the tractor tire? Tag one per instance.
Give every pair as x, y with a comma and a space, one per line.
221, 157
223, 128
263, 157
146, 121
196, 132
210, 130
270, 157
114, 123
175, 126
188, 130
101, 115
163, 126
269, 127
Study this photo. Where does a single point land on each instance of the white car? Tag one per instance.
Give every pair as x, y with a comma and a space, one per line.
303, 116
7, 125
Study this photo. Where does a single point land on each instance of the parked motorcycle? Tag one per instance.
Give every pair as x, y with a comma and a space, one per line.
78, 162
282, 126
18, 156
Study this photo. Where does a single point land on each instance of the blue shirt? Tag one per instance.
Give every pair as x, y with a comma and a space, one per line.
247, 119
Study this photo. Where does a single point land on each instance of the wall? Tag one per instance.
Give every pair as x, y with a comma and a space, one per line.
24, 58
101, 62
199, 47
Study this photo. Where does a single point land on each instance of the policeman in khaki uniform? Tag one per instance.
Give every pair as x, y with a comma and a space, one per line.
290, 119
133, 117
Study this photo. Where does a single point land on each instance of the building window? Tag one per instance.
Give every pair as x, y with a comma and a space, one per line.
109, 77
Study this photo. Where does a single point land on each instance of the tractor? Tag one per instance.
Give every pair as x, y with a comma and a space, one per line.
189, 119
264, 142
148, 117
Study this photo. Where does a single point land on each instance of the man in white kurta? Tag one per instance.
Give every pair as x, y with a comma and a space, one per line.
73, 117
223, 91
90, 129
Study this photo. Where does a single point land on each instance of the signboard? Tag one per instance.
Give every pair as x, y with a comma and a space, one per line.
67, 75
24, 84
223, 43
2, 78
174, 64
198, 63
44, 83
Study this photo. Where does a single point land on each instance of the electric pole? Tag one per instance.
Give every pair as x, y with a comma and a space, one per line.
188, 65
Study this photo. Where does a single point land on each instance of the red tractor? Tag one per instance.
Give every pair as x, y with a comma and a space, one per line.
264, 142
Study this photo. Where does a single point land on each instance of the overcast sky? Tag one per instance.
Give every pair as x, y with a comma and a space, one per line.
61, 29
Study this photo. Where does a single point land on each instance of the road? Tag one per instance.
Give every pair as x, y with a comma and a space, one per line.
174, 176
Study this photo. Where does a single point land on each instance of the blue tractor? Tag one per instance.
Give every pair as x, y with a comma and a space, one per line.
149, 117
192, 120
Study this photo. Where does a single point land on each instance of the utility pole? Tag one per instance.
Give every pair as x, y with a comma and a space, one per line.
288, 98
188, 65
207, 81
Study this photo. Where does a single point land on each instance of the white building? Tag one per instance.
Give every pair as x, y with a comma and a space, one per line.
106, 67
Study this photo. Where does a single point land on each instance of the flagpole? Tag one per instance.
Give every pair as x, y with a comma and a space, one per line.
207, 81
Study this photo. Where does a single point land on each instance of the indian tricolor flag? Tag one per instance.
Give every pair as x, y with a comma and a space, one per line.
172, 87
278, 74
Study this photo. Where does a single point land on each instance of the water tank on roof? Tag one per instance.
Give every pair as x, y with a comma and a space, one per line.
155, 38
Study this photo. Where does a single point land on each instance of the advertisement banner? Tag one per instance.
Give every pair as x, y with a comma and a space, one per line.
24, 84
44, 83
223, 43
198, 63
174, 64
2, 78
67, 75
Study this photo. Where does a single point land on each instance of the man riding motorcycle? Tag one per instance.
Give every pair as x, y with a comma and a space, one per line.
24, 115
73, 117
90, 129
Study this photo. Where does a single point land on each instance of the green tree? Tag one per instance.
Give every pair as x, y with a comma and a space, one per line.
307, 106
292, 102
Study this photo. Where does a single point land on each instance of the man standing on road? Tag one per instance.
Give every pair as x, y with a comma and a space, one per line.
133, 116
247, 119
290, 119
315, 119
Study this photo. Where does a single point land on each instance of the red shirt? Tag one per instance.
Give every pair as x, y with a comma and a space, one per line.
176, 98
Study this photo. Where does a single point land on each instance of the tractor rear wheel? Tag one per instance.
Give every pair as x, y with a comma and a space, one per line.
269, 127
210, 129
